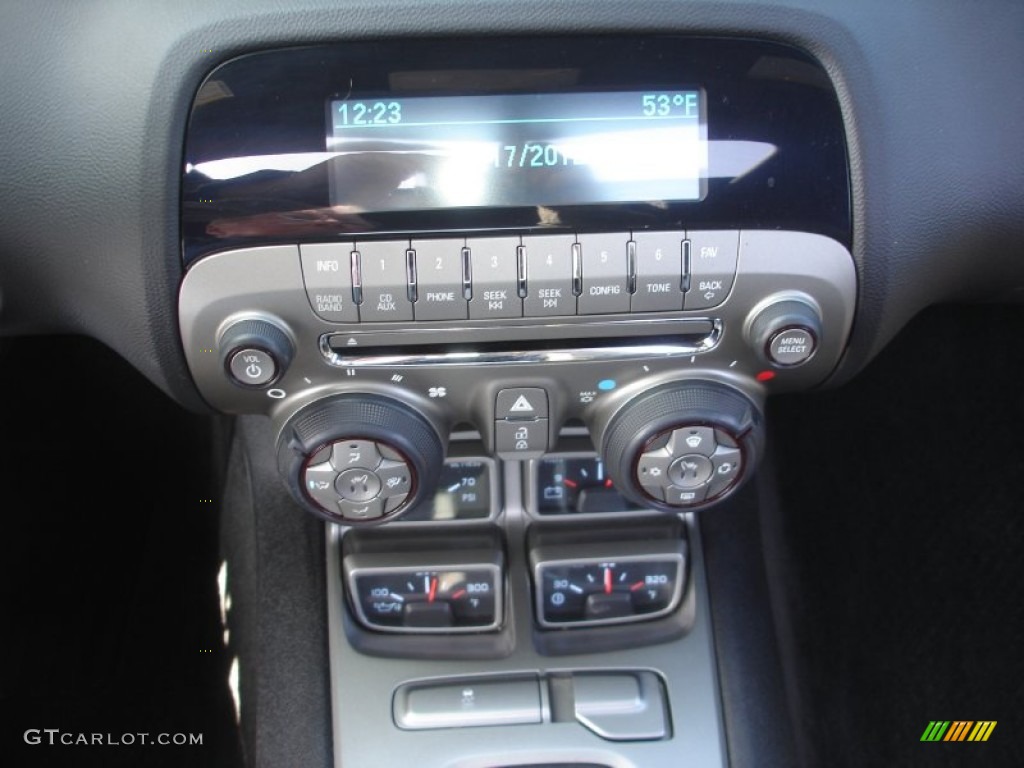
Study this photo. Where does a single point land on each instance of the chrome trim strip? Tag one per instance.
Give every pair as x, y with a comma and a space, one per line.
351, 358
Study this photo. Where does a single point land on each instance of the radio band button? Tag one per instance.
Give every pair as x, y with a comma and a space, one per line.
327, 273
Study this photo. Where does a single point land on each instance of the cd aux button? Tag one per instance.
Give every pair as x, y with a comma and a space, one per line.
327, 274
549, 276
439, 289
383, 266
494, 266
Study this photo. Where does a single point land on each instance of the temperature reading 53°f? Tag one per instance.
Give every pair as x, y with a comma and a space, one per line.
670, 104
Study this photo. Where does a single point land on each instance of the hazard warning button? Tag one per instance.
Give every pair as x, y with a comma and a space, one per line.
521, 403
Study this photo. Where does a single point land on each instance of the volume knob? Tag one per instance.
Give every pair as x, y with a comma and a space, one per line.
255, 353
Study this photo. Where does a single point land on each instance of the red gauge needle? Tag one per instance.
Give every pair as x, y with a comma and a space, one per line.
571, 483
607, 581
636, 586
458, 594
433, 590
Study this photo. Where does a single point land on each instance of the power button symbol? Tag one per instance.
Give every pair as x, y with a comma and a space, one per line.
252, 367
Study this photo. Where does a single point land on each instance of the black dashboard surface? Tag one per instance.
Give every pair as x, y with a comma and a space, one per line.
96, 98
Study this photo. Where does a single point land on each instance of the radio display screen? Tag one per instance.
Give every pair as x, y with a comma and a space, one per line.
499, 151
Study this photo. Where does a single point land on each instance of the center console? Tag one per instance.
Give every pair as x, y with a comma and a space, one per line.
513, 308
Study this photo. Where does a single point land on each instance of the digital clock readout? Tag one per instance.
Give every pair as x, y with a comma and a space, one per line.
517, 150
360, 113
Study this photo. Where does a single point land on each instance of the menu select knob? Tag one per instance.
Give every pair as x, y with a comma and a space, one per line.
359, 458
682, 445
786, 332
255, 353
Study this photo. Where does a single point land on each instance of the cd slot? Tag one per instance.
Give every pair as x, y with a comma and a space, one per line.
524, 344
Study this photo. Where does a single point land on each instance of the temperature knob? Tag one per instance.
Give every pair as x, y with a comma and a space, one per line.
682, 445
359, 458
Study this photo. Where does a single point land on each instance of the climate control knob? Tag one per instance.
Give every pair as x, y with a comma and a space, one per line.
359, 458
682, 445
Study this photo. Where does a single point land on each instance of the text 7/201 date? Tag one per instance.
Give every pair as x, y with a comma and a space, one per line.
532, 155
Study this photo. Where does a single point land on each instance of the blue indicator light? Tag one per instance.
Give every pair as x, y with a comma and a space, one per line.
606, 384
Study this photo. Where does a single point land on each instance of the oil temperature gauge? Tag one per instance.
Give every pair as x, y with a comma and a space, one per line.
431, 598
603, 589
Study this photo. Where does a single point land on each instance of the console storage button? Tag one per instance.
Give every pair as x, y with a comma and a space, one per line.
621, 706
461, 704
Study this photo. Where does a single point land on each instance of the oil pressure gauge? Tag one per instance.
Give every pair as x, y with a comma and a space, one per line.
442, 592
588, 585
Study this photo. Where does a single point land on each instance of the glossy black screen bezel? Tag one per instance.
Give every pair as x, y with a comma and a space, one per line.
272, 103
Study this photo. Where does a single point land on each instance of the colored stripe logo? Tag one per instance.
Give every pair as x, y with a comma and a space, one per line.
958, 730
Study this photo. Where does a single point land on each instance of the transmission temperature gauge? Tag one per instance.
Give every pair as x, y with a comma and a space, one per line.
580, 589
431, 595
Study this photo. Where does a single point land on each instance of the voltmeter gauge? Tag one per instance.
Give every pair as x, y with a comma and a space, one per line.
462, 598
581, 592
575, 484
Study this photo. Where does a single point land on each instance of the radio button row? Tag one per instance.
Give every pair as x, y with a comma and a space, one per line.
549, 276
713, 257
328, 277
383, 268
509, 277
495, 273
439, 291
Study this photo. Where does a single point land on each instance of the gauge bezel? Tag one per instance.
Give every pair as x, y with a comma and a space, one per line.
594, 560
531, 477
355, 572
494, 493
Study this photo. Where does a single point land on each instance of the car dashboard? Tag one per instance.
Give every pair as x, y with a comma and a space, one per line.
550, 361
